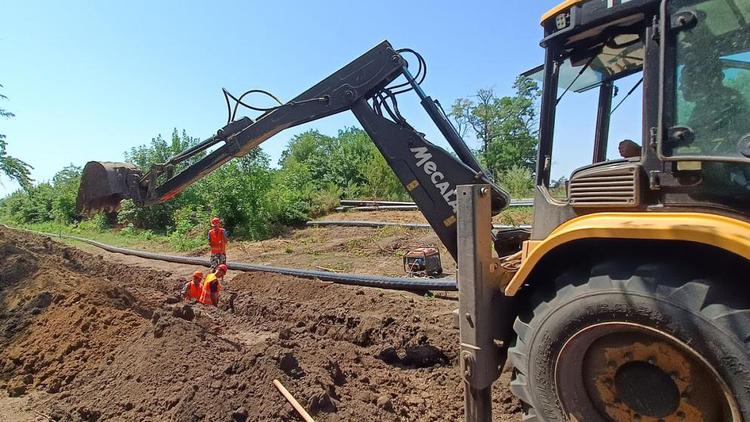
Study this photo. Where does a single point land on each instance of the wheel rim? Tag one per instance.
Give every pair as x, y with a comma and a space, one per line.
630, 372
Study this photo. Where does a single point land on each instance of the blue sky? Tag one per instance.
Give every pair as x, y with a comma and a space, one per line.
89, 80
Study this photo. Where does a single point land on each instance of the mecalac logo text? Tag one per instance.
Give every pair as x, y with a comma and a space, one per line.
424, 160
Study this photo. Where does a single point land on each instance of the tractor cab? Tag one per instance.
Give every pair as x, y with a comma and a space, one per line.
688, 64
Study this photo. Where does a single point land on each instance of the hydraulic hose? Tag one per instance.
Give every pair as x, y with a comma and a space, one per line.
393, 283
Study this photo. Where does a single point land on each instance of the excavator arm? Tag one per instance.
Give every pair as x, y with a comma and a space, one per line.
429, 173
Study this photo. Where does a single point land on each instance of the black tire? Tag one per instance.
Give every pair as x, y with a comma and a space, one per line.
704, 310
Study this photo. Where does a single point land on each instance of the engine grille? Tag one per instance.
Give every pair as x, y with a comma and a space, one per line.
615, 185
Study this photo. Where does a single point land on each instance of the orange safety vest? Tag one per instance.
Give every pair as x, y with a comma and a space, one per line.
194, 291
217, 239
205, 297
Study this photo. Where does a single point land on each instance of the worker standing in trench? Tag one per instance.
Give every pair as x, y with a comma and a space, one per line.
217, 240
212, 286
193, 289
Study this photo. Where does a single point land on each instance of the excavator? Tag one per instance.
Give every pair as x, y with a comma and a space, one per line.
626, 301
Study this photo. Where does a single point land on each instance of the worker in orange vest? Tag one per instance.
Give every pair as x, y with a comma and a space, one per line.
194, 288
212, 286
217, 240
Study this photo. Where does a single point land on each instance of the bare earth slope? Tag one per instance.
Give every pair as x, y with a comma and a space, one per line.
85, 338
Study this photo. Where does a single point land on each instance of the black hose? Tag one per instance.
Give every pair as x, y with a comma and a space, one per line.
394, 283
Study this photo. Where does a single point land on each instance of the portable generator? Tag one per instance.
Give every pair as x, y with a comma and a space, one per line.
423, 262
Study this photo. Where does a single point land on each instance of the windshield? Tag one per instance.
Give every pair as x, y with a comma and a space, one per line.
620, 56
712, 79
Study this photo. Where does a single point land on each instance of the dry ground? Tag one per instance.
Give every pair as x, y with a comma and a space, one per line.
87, 335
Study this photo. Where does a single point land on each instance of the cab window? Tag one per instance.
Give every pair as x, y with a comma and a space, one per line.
712, 78
608, 74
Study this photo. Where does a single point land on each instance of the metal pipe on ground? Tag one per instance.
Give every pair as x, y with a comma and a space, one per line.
379, 224
362, 202
375, 224
358, 203
393, 283
378, 208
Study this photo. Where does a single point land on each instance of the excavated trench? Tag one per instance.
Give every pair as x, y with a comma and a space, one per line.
85, 339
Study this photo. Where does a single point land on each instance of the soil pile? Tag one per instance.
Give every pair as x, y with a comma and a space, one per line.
82, 338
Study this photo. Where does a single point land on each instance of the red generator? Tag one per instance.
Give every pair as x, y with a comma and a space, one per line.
423, 262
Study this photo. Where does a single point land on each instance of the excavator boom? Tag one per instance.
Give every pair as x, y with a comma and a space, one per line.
429, 173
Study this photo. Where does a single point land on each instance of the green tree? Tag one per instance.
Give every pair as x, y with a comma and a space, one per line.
461, 115
349, 162
12, 167
45, 202
160, 150
518, 181
482, 115
66, 183
158, 218
506, 127
381, 182
33, 205
307, 147
236, 192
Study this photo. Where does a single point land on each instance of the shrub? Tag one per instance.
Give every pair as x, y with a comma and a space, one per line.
518, 181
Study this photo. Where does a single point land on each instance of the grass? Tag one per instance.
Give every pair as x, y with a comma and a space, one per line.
127, 238
515, 216
195, 241
388, 231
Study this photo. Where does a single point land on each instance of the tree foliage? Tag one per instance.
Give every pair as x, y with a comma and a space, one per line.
253, 199
349, 162
11, 167
48, 201
160, 150
256, 200
157, 218
506, 127
518, 181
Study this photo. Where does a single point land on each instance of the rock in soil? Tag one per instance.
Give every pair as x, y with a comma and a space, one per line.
384, 402
239, 414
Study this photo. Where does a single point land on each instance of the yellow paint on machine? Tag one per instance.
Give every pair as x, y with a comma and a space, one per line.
723, 232
567, 4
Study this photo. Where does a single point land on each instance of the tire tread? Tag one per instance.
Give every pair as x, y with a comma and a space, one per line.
694, 295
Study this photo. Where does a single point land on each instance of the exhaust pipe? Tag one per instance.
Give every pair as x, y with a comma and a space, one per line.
105, 184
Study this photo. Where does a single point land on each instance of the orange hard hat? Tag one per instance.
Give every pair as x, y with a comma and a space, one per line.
215, 221
198, 274
222, 267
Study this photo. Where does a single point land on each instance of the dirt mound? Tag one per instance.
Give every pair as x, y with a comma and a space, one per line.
86, 339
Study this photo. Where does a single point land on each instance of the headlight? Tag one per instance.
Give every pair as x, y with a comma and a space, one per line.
562, 20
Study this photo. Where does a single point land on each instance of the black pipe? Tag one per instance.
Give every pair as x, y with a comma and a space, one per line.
378, 224
394, 283
397, 205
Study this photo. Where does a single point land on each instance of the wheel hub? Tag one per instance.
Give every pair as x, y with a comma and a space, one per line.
630, 372
647, 389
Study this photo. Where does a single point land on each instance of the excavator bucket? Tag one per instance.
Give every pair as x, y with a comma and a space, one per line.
104, 185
